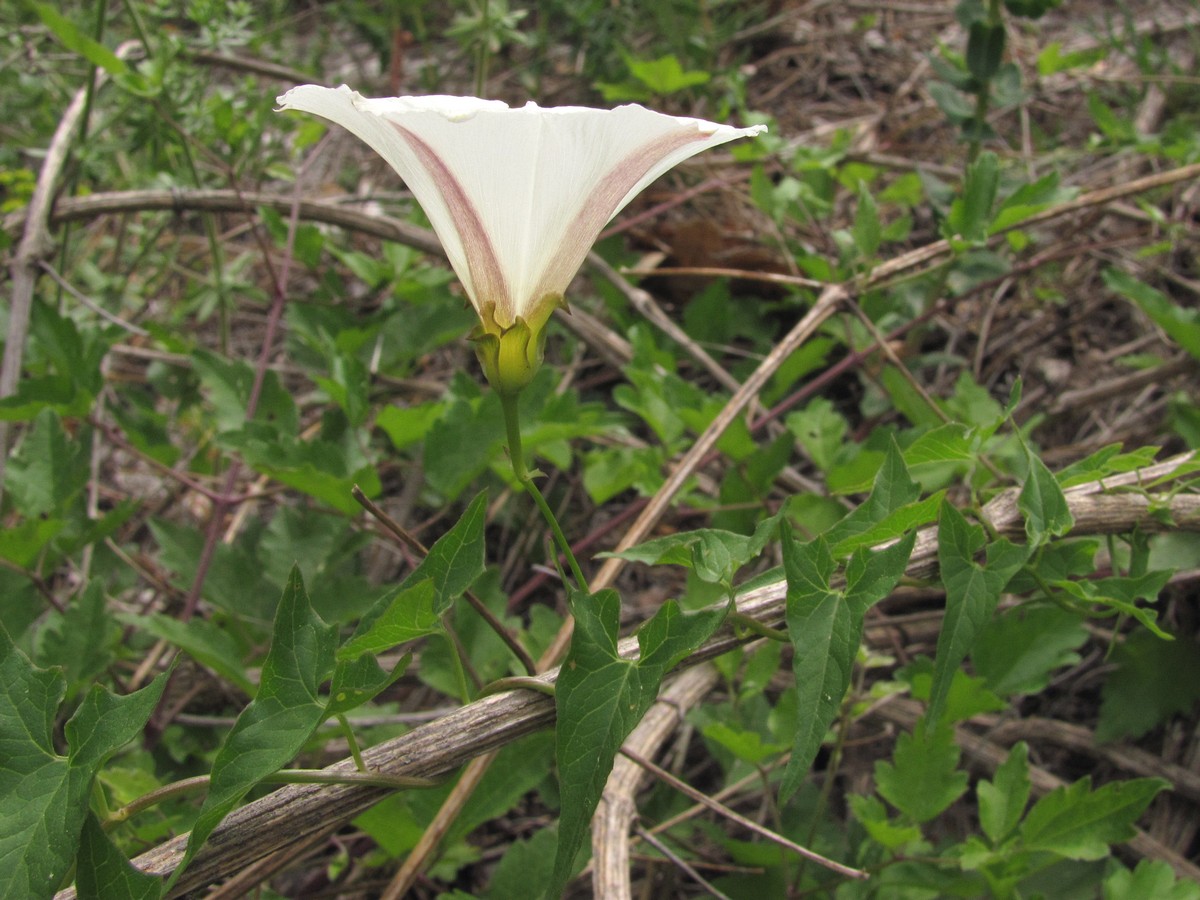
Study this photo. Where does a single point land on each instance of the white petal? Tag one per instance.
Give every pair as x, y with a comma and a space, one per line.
371, 121
517, 196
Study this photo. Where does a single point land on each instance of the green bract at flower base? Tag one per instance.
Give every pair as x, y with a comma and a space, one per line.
516, 196
511, 356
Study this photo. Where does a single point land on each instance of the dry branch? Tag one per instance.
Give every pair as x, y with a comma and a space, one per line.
617, 809
291, 813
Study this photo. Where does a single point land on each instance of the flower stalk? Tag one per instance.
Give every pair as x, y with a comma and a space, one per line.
512, 424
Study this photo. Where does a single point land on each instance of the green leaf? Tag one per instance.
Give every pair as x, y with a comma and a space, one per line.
1122, 594
282, 717
1154, 680
49, 469
82, 640
1019, 651
103, 873
203, 640
1106, 461
972, 592
408, 425
867, 231
1078, 823
456, 558
1002, 800
43, 796
105, 722
825, 627
1029, 199
744, 744
892, 490
922, 780
971, 214
1182, 325
968, 697
985, 49
525, 869
452, 565
359, 681
665, 75
22, 544
78, 42
1042, 503
409, 614
229, 384
713, 554
1152, 878
600, 698
900, 521
821, 431
872, 815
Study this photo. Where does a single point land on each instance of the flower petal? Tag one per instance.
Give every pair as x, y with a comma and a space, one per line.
450, 208
517, 196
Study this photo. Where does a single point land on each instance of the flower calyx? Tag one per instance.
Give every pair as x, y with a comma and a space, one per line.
511, 355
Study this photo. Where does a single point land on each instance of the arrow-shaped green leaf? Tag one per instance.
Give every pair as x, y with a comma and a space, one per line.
601, 697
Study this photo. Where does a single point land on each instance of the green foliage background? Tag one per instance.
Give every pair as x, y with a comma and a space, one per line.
217, 381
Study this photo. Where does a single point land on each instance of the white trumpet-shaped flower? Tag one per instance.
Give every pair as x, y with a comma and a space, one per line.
516, 196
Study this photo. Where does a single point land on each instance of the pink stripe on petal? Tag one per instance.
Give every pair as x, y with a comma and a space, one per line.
487, 276
602, 204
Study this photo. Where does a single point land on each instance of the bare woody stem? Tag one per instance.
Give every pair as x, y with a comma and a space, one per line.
512, 424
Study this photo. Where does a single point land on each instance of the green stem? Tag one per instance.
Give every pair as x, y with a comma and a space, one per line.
352, 741
512, 424
457, 657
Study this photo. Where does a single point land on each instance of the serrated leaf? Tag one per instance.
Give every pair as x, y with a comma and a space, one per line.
972, 592
48, 469
923, 779
81, 641
744, 744
1042, 503
1002, 800
103, 873
1152, 878
872, 815
43, 796
600, 698
273, 728
969, 696
1076, 822
825, 627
